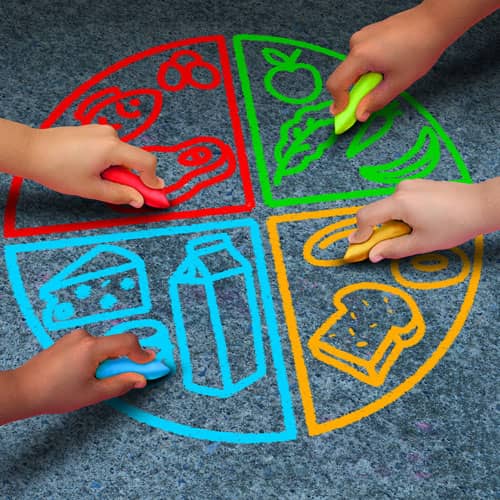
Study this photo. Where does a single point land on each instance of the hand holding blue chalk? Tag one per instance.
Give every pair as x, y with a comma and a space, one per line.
153, 370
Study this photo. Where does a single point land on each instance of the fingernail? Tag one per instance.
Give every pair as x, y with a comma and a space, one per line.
376, 258
136, 203
364, 116
140, 384
160, 182
332, 109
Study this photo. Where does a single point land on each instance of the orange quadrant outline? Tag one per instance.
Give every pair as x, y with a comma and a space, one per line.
314, 427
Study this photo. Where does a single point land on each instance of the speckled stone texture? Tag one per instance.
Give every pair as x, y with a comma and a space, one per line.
439, 441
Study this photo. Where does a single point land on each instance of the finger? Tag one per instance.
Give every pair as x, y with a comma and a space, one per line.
124, 344
396, 248
371, 215
116, 194
379, 97
75, 336
342, 79
140, 160
119, 385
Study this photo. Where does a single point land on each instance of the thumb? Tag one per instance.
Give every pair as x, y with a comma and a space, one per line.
118, 385
395, 248
341, 80
379, 97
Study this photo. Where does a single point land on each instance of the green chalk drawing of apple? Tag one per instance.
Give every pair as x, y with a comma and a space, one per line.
288, 64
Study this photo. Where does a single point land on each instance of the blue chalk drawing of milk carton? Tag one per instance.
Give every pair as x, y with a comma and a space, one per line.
120, 289
214, 276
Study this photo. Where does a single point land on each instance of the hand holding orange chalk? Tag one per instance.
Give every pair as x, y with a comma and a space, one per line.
356, 252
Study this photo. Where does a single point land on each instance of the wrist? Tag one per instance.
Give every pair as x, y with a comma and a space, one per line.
33, 138
489, 201
14, 400
433, 28
15, 147
452, 18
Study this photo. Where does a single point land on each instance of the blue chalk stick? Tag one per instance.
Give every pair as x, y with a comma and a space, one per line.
151, 371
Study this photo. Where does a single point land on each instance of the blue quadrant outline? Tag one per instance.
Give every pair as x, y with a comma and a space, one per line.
289, 431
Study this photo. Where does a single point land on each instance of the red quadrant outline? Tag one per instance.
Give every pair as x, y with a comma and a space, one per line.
10, 229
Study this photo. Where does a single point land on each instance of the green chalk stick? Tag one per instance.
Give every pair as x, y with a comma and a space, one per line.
347, 118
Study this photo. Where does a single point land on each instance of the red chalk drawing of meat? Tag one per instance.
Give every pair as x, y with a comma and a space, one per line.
208, 160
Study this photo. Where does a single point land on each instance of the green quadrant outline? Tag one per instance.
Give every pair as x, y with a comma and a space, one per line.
267, 192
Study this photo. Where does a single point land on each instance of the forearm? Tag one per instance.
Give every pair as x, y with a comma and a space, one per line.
453, 18
12, 400
490, 205
14, 147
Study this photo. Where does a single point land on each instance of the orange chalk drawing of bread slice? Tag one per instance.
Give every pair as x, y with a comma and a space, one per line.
372, 325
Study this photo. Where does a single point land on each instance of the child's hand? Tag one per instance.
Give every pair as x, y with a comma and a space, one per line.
402, 47
442, 215
71, 159
62, 378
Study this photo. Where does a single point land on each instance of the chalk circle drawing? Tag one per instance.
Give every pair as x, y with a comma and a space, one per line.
289, 65
432, 270
316, 249
196, 271
360, 341
368, 163
376, 327
213, 296
197, 161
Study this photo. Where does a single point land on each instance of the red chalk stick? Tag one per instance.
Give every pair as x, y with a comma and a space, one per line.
155, 198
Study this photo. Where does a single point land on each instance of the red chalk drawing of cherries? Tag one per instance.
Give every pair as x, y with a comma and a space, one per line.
187, 68
129, 112
288, 65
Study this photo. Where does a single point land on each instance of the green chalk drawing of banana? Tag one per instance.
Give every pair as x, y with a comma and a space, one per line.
404, 167
293, 154
364, 137
289, 65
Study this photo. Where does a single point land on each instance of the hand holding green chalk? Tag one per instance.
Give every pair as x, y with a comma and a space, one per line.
347, 118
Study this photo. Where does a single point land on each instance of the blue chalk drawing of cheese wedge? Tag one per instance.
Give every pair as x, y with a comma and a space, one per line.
110, 291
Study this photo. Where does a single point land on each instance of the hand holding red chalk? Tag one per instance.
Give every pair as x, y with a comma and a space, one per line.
155, 198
